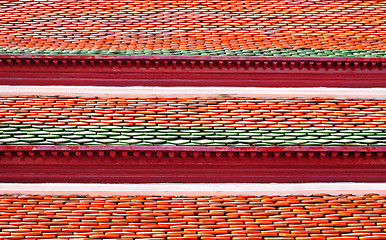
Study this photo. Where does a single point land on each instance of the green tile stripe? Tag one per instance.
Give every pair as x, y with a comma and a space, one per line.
189, 136
207, 52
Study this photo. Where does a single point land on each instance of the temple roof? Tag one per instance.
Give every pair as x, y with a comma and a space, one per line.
333, 28
192, 121
244, 217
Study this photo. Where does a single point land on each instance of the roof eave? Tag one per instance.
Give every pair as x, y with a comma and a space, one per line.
151, 164
155, 70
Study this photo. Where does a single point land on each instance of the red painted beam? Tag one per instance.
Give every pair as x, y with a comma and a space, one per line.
96, 70
143, 164
192, 148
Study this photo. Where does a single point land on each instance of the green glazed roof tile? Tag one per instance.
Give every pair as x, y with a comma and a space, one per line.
180, 128
355, 137
8, 140
240, 145
296, 134
226, 134
24, 136
167, 137
31, 139
122, 130
94, 143
155, 134
143, 137
191, 137
307, 137
110, 127
299, 142
179, 133
19, 143
55, 130
52, 136
273, 142
131, 141
299, 52
120, 137
117, 143
144, 144
215, 137
380, 136
20, 126
263, 137
39, 132
227, 141
178, 142
58, 140
64, 133
29, 129
15, 133
67, 143
97, 136
132, 134
68, 127
88, 127
249, 141
71, 136
213, 131
146, 130
219, 136
310, 144
320, 141
155, 141
203, 141
43, 143
82, 140
201, 128
106, 141
8, 129
285, 138
331, 137
367, 141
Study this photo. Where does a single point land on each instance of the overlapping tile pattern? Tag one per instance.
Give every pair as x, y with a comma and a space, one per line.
194, 25
293, 217
194, 112
269, 52
192, 121
189, 136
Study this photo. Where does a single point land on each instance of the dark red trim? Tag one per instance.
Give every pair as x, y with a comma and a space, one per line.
188, 58
121, 70
190, 149
142, 164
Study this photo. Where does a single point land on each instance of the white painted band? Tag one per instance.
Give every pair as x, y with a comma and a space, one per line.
134, 92
202, 189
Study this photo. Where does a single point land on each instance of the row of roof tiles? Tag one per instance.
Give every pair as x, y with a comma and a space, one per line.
269, 52
194, 112
245, 217
189, 136
196, 24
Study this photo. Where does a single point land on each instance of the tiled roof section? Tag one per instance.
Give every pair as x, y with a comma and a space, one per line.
245, 217
197, 25
264, 52
194, 112
189, 136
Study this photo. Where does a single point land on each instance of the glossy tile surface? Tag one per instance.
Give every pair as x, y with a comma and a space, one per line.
194, 112
211, 27
244, 217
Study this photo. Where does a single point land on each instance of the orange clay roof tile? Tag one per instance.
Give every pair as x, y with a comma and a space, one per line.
222, 112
